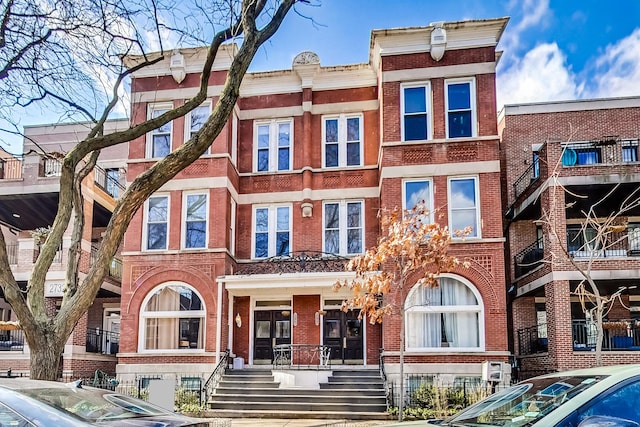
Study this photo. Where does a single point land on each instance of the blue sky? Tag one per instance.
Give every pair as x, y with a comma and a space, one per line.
553, 50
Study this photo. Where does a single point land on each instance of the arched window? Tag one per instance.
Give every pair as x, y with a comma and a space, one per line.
449, 317
172, 318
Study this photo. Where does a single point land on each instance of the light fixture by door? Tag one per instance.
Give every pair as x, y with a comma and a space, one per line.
286, 313
238, 320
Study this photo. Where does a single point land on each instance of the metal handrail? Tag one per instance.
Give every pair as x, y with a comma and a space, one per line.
301, 355
526, 179
529, 258
212, 382
388, 391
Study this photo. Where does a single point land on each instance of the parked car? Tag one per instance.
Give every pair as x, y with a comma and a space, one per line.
27, 403
604, 397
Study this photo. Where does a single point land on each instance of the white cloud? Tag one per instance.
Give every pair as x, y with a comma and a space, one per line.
534, 14
541, 75
617, 70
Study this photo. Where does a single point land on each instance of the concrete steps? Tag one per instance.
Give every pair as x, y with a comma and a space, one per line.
348, 394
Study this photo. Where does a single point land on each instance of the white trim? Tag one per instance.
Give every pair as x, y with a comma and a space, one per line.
145, 222
476, 189
449, 309
151, 108
272, 212
428, 104
342, 226
273, 148
235, 122
571, 105
472, 105
342, 142
232, 227
183, 221
219, 323
143, 315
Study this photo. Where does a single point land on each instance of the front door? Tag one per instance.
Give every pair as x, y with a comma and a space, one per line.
271, 328
343, 333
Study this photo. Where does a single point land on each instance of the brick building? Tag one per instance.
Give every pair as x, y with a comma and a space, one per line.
29, 188
561, 159
241, 249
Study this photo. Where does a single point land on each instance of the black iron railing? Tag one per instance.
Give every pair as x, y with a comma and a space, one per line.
586, 243
528, 259
210, 385
619, 335
12, 340
526, 179
604, 151
101, 341
532, 340
115, 267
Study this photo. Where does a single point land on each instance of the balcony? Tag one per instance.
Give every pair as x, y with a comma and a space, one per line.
10, 169
108, 180
528, 259
102, 342
12, 253
115, 268
619, 335
616, 241
605, 151
530, 175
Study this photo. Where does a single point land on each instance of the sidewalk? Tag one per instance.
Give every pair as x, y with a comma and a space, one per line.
270, 422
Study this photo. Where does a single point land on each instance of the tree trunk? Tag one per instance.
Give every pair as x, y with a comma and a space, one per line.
599, 332
401, 400
45, 356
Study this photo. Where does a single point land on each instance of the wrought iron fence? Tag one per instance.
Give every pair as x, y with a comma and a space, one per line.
619, 335
607, 150
591, 243
12, 340
532, 340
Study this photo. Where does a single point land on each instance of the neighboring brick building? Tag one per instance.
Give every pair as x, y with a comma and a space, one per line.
241, 249
29, 188
592, 148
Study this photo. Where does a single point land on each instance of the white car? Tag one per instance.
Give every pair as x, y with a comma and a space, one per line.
607, 396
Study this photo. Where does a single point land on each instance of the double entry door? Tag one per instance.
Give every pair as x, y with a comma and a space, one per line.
342, 332
271, 328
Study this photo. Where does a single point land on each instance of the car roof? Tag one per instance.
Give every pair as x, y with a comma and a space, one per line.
25, 383
614, 370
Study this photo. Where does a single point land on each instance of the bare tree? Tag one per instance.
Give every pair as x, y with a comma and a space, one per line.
118, 26
411, 251
601, 230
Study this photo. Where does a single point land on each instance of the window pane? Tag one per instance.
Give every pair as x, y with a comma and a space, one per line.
283, 218
283, 159
459, 124
196, 207
463, 193
353, 214
161, 145
262, 245
196, 234
353, 129
331, 215
331, 153
332, 241
282, 243
415, 127
629, 154
198, 117
462, 218
331, 130
262, 220
354, 240
284, 134
157, 209
283, 329
353, 153
416, 192
415, 100
459, 96
263, 136
165, 128
157, 236
263, 160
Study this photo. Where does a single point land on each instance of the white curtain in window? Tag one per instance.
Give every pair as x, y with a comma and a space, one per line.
461, 328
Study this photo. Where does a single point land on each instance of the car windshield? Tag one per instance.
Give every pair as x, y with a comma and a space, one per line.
94, 405
524, 403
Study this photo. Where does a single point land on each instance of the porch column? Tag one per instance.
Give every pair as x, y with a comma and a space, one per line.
560, 339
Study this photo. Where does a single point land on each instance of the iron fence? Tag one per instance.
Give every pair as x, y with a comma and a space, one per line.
619, 335
101, 341
301, 356
532, 340
529, 258
12, 340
